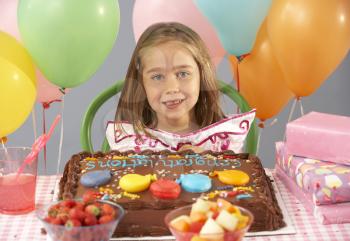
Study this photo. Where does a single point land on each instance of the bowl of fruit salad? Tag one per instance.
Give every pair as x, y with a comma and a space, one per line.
209, 221
80, 219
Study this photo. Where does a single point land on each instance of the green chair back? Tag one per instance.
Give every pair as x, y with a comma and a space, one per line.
85, 131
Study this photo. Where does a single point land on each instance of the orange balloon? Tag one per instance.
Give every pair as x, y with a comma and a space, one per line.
261, 80
309, 38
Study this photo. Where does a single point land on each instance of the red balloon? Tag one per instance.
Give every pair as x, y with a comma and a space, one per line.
165, 189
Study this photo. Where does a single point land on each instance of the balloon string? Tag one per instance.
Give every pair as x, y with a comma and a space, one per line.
44, 132
290, 117
59, 148
259, 138
274, 121
238, 84
301, 107
34, 123
3, 141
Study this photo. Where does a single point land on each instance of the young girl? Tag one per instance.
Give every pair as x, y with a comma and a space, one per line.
170, 95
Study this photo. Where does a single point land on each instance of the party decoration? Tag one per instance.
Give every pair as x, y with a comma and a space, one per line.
232, 177
261, 79
96, 178
46, 91
236, 22
17, 97
182, 11
68, 40
15, 53
136, 182
165, 189
309, 39
8, 20
195, 183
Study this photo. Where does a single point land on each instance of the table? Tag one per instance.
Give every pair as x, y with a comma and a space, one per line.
27, 227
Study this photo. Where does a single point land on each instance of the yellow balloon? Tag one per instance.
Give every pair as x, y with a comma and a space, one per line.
232, 177
17, 97
136, 182
14, 52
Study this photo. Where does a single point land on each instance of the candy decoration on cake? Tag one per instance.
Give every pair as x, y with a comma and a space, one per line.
195, 183
165, 189
135, 182
231, 177
95, 178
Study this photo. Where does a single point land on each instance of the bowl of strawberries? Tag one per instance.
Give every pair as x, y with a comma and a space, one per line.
208, 221
87, 219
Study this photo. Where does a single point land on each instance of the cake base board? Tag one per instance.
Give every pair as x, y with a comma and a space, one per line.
288, 229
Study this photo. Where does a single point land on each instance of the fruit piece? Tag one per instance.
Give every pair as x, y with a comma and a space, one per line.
197, 238
212, 228
68, 203
80, 205
53, 211
223, 204
108, 210
198, 216
181, 223
90, 220
227, 220
75, 213
89, 196
200, 206
93, 210
195, 227
242, 222
213, 206
72, 223
105, 219
56, 221
63, 216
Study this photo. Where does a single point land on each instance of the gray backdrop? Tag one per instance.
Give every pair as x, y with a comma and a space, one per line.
332, 97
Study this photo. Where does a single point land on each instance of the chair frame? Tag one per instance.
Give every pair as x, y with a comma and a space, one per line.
85, 131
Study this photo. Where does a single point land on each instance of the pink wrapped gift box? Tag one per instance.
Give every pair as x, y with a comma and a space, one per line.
323, 182
325, 214
320, 136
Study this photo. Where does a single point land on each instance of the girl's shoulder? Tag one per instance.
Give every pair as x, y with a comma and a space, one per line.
226, 134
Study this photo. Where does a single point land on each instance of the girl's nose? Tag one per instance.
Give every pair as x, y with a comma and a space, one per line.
172, 85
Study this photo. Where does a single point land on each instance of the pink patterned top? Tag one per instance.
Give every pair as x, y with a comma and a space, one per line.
226, 134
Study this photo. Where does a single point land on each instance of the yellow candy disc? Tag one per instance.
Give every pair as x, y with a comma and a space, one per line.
232, 177
135, 182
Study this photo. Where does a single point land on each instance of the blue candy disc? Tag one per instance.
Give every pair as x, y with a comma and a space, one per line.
195, 183
96, 178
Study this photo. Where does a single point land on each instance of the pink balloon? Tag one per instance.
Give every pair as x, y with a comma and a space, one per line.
46, 91
148, 12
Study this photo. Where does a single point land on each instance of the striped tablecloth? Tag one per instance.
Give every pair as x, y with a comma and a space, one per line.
27, 227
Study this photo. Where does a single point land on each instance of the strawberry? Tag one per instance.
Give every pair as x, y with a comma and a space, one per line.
90, 195
80, 206
68, 203
77, 214
72, 223
92, 209
63, 216
108, 210
53, 211
105, 219
90, 220
56, 221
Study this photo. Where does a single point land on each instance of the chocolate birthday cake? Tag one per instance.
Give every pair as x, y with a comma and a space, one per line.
148, 185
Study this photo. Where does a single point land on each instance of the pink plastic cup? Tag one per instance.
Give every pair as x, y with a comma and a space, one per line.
17, 191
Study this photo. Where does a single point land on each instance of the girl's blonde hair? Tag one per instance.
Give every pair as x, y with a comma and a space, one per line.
133, 105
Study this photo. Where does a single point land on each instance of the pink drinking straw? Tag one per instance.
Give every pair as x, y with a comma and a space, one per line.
39, 143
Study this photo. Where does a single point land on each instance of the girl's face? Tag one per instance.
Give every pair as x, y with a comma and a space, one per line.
172, 81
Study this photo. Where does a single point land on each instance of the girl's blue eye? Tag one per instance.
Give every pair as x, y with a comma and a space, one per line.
157, 77
182, 74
